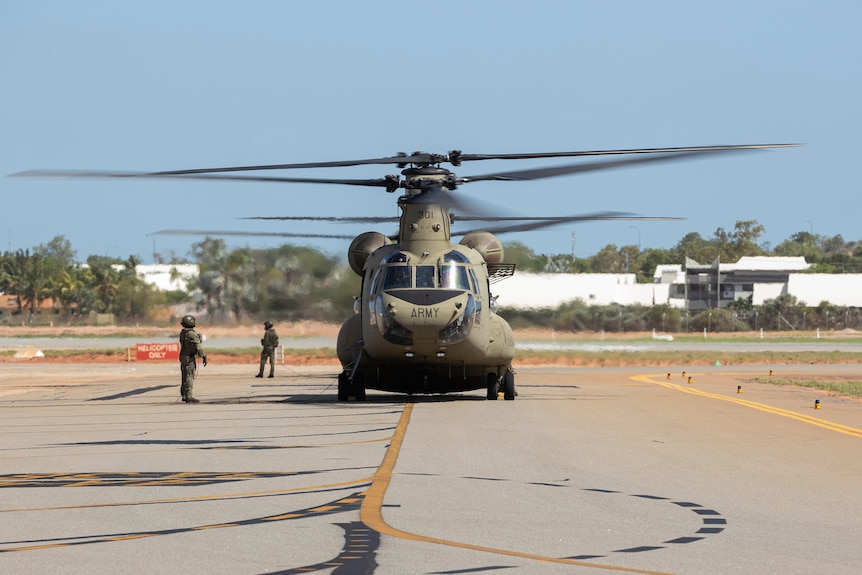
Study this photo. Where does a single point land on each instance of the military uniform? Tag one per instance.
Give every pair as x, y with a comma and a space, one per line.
191, 347
269, 343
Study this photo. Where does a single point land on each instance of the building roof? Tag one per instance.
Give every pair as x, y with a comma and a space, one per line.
769, 263
168, 277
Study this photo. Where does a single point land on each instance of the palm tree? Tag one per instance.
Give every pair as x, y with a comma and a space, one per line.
28, 280
11, 270
64, 290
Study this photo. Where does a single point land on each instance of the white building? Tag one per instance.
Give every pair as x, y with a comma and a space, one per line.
537, 291
693, 286
168, 277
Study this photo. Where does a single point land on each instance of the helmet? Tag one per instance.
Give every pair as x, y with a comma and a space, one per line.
188, 321
267, 324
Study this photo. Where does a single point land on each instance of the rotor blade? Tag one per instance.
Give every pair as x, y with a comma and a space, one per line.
540, 223
470, 157
398, 159
458, 202
346, 219
377, 182
456, 157
388, 219
553, 171
264, 234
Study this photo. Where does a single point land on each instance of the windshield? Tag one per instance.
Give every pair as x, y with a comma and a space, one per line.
454, 277
398, 277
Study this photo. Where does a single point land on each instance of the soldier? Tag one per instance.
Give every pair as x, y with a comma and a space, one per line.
269, 343
191, 347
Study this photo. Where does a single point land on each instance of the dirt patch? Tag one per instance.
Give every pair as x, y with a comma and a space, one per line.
327, 357
298, 329
213, 358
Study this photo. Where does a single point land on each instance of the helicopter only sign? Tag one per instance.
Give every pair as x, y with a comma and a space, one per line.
158, 351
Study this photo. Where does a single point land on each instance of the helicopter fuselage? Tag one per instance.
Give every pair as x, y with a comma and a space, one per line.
430, 339
424, 321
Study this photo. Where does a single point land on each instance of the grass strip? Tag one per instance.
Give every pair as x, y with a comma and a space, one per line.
850, 388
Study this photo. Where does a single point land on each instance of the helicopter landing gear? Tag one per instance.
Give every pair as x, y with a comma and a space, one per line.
493, 386
358, 386
348, 387
508, 385
343, 386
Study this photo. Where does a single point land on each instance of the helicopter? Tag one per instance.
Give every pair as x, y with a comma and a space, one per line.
426, 319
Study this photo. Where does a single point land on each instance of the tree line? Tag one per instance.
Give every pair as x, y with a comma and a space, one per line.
784, 313
825, 254
295, 283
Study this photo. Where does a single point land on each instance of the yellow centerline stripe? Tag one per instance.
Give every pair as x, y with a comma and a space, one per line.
830, 425
370, 513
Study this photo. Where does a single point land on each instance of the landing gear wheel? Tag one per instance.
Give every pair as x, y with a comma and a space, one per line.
343, 387
493, 386
359, 387
509, 386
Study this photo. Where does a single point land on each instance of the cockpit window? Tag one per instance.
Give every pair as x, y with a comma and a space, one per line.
396, 257
375, 281
425, 276
455, 257
398, 277
454, 277
476, 287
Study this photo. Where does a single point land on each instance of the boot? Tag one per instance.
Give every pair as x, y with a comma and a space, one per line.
271, 374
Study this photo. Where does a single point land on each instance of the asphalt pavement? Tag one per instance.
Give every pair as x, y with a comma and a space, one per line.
588, 470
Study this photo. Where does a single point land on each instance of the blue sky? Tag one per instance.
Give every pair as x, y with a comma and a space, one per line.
164, 85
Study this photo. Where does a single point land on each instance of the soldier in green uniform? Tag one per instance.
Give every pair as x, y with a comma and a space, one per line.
269, 343
191, 347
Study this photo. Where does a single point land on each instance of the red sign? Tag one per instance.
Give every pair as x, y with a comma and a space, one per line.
158, 351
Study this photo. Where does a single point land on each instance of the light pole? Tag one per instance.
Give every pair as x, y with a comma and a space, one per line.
810, 226
639, 236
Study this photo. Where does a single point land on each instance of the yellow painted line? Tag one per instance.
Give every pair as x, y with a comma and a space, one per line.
85, 454
371, 514
830, 425
285, 516
38, 547
201, 498
214, 526
324, 508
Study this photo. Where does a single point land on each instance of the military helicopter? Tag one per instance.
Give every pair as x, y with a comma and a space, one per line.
426, 319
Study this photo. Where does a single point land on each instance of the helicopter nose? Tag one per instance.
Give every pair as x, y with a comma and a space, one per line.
425, 309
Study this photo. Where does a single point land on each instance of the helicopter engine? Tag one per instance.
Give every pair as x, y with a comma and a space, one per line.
363, 246
487, 244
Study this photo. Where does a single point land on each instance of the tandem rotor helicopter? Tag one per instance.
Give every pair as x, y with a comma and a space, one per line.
426, 320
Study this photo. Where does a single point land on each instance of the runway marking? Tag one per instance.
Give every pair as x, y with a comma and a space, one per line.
347, 503
370, 513
135, 479
253, 494
830, 425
